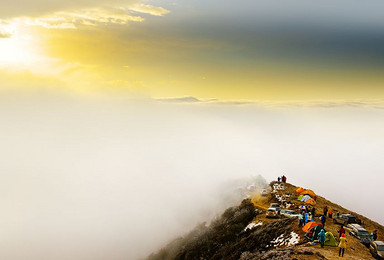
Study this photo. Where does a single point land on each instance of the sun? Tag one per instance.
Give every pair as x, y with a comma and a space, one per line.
17, 46
15, 51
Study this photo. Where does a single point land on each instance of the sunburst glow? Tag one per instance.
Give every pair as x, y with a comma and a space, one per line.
14, 51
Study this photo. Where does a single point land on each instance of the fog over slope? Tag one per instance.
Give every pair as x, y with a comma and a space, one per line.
117, 179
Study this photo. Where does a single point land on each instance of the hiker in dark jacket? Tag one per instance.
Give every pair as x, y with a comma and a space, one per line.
313, 211
325, 210
322, 219
302, 209
374, 235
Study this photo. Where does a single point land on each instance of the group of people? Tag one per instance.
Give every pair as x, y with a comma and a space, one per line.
342, 241
307, 213
327, 211
282, 179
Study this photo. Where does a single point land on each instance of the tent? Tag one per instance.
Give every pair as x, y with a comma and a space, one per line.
300, 197
310, 201
330, 239
313, 232
308, 192
310, 225
300, 190
316, 231
305, 198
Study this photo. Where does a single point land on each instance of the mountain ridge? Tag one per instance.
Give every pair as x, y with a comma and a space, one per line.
243, 232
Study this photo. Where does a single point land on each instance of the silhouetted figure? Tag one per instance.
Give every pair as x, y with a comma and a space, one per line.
313, 211
322, 219
325, 210
374, 235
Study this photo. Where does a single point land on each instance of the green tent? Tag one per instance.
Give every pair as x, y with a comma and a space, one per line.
300, 197
330, 239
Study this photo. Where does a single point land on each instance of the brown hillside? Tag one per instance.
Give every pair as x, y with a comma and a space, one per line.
355, 249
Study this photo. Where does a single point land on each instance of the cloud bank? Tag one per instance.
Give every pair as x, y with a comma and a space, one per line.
112, 178
11, 9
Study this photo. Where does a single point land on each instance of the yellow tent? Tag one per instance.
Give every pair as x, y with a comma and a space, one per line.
300, 190
311, 202
308, 192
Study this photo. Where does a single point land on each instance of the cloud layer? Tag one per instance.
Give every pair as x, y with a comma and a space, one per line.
10, 9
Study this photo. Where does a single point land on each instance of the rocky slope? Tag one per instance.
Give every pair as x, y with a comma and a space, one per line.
244, 233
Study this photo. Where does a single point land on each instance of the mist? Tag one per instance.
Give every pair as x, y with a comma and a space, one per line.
116, 178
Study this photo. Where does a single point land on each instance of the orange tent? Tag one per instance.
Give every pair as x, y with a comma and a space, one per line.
308, 192
311, 202
309, 225
300, 190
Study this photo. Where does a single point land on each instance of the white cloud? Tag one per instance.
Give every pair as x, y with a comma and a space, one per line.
34, 8
149, 9
92, 17
70, 16
4, 35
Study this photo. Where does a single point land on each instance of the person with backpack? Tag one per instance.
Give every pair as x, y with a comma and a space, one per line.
322, 219
342, 245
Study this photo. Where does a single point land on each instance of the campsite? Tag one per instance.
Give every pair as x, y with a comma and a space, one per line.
292, 197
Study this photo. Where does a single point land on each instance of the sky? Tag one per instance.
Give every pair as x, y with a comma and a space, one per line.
251, 50
125, 123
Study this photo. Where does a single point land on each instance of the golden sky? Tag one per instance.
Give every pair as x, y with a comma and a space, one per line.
256, 50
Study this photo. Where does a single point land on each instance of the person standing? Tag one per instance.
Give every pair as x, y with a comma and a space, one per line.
374, 235
301, 220
279, 179
342, 245
325, 210
322, 219
313, 211
341, 231
330, 212
322, 237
